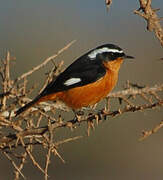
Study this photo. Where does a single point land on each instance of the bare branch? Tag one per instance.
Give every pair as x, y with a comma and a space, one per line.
6, 79
135, 91
14, 165
146, 134
45, 62
153, 21
18, 172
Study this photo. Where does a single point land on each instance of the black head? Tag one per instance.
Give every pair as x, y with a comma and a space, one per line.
108, 52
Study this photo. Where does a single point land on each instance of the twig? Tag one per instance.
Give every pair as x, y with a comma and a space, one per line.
44, 62
23, 159
53, 73
133, 91
14, 165
50, 146
146, 134
6, 79
68, 140
31, 156
54, 150
153, 22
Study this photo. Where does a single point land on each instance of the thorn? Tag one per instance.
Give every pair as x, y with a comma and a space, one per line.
70, 125
60, 119
90, 124
160, 19
119, 110
108, 4
156, 9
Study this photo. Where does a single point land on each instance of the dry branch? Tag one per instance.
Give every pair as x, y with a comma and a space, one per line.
146, 134
14, 164
18, 172
45, 61
6, 79
136, 91
153, 21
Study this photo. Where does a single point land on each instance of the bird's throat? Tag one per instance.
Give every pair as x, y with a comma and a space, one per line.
113, 65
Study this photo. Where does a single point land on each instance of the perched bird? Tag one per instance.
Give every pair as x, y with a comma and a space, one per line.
86, 81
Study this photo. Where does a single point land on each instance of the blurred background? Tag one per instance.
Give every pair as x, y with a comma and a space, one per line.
36, 29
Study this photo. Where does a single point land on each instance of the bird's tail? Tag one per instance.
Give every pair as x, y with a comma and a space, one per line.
38, 99
27, 106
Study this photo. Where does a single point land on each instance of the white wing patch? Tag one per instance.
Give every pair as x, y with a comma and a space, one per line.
94, 53
72, 81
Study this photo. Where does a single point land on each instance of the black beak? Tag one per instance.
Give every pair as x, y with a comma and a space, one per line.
128, 57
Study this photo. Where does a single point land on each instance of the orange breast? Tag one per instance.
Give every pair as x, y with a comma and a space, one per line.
89, 94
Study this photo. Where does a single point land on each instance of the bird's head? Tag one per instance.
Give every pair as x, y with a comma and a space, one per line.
110, 55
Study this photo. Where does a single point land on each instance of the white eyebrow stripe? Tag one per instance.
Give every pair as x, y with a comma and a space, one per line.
72, 81
94, 53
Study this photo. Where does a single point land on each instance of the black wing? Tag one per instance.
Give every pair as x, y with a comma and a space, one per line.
88, 71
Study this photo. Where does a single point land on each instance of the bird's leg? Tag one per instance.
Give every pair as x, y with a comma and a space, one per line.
78, 115
107, 105
92, 109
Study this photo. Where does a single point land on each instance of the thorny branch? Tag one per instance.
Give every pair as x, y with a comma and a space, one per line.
146, 134
6, 79
153, 21
14, 165
149, 14
45, 62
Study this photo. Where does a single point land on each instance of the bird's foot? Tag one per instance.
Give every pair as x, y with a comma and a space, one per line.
78, 115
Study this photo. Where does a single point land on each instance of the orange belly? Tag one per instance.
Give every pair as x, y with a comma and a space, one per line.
89, 94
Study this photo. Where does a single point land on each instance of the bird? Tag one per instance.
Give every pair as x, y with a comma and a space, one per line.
85, 82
